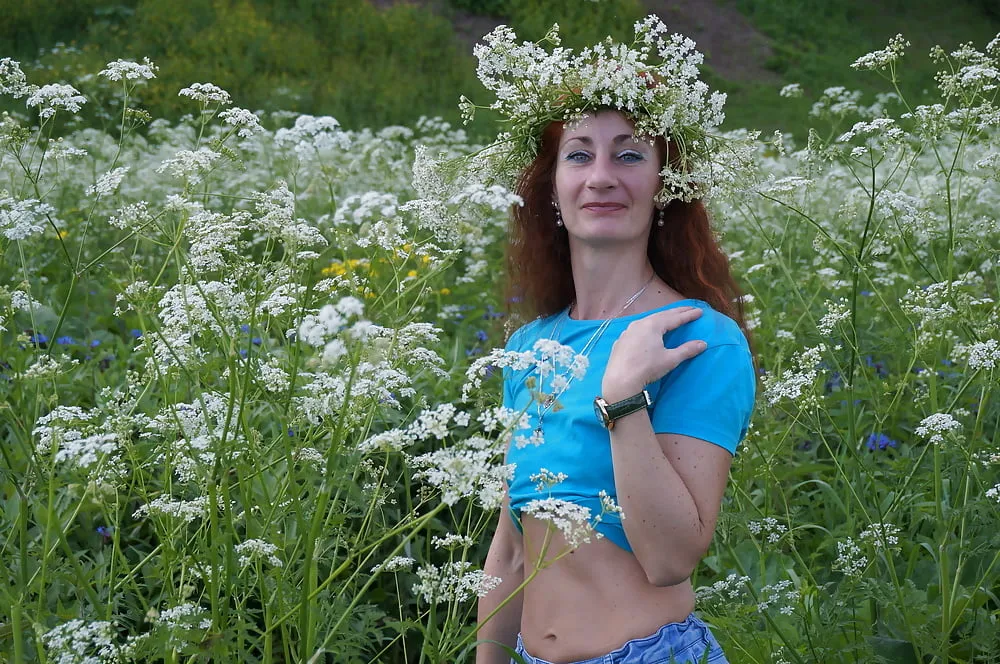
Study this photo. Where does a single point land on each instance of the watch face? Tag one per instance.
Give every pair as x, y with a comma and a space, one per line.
602, 415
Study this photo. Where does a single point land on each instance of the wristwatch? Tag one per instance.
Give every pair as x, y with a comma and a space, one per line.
607, 413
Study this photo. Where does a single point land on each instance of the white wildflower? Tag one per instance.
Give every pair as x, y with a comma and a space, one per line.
935, 427
452, 541
769, 527
881, 535
246, 123
837, 312
394, 564
733, 587
20, 219
257, 549
129, 70
883, 58
133, 216
81, 642
12, 79
792, 90
850, 559
572, 520
109, 182
191, 164
546, 479
206, 93
55, 97
453, 582
185, 510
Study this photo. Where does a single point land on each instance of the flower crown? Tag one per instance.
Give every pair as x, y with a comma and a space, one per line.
654, 82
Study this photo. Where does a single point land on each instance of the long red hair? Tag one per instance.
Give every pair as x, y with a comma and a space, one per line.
683, 252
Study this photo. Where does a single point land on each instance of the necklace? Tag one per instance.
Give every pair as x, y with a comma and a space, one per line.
551, 399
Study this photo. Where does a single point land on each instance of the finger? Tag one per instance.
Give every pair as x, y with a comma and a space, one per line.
671, 319
687, 350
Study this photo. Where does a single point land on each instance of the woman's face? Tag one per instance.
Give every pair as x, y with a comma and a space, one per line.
605, 180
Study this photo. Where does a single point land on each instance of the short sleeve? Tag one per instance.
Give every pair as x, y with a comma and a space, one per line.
710, 396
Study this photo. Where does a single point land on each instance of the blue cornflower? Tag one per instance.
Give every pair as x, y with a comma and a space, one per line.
243, 352
880, 441
481, 335
95, 343
106, 532
65, 341
38, 338
867, 293
245, 327
256, 341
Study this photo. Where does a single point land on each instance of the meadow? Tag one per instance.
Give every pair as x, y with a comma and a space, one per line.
251, 381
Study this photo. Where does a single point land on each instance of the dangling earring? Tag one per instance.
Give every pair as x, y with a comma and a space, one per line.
559, 221
659, 217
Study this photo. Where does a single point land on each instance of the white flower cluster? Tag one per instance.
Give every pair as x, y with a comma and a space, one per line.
884, 58
245, 122
791, 91
654, 81
571, 519
769, 527
984, 355
47, 366
318, 329
55, 97
994, 493
185, 510
609, 506
193, 432
935, 427
464, 470
129, 71
881, 535
432, 422
184, 615
394, 564
190, 164
276, 215
205, 93
452, 541
81, 642
109, 182
795, 384
733, 587
257, 549
20, 219
837, 312
80, 439
546, 479
12, 79
779, 595
453, 582
850, 559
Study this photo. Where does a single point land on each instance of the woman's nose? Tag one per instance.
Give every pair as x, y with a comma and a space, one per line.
602, 174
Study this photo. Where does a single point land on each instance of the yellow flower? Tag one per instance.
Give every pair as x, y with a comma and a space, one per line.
412, 274
63, 234
426, 259
445, 291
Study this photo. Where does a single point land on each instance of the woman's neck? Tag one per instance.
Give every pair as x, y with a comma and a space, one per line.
604, 283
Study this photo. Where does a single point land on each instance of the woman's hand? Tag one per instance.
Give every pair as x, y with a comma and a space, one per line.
639, 358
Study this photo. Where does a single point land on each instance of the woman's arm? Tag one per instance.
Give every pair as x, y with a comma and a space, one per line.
670, 488
505, 560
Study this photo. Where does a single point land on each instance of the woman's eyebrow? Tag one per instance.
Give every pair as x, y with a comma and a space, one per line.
587, 140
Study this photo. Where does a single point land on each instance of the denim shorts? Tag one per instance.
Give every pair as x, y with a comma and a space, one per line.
687, 642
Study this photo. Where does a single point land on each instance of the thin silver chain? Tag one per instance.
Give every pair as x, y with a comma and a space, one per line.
594, 338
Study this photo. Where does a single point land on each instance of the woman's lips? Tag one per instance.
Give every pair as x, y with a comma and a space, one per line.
603, 207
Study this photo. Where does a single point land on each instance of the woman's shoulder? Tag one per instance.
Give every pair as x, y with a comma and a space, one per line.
713, 327
523, 337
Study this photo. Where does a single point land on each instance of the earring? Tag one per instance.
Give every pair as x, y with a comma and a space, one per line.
659, 217
559, 221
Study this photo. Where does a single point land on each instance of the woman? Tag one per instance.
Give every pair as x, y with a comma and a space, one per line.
641, 288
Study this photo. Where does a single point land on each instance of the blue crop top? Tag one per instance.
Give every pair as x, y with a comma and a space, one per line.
710, 396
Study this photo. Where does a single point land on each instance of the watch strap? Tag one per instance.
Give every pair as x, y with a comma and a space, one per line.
620, 409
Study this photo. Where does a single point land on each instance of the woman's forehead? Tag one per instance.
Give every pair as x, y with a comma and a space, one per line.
609, 127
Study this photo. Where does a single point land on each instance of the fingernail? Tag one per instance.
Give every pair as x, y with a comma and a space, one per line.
702, 345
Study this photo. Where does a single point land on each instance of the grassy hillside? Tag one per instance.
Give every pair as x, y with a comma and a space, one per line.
376, 63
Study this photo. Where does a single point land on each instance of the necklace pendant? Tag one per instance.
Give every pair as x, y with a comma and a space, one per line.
538, 429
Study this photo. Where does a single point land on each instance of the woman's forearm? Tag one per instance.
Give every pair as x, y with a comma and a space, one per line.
664, 528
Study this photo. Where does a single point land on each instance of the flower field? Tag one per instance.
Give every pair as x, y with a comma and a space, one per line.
250, 382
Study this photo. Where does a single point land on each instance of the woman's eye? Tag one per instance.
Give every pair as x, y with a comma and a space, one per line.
631, 156
578, 156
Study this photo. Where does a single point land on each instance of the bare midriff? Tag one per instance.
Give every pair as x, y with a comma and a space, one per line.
591, 601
